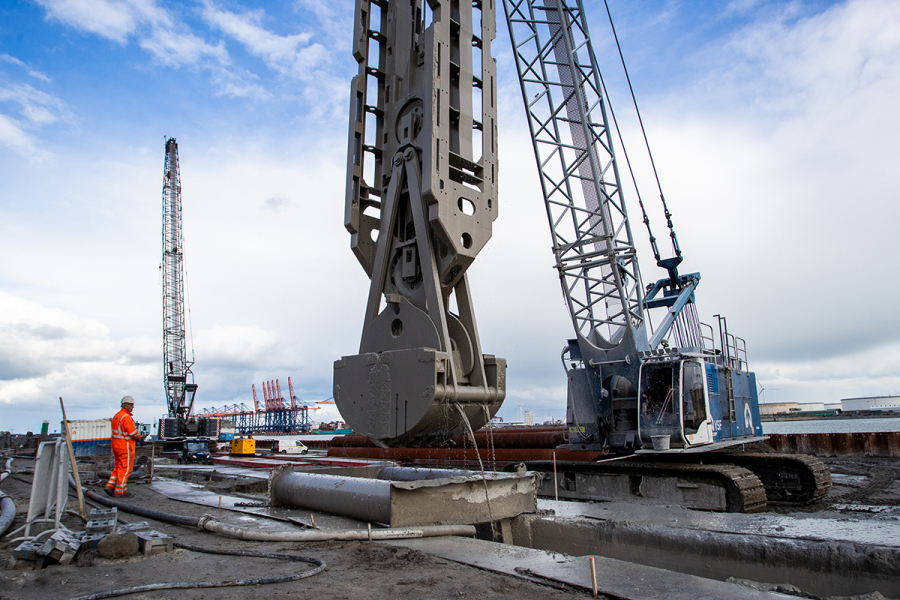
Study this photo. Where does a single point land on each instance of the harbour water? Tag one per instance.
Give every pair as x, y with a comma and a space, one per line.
834, 425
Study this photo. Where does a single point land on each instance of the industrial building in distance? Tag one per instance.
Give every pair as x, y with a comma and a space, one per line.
866, 406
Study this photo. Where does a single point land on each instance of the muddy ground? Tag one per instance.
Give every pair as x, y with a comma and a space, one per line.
863, 481
354, 569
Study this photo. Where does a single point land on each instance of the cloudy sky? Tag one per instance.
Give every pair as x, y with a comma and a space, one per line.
774, 126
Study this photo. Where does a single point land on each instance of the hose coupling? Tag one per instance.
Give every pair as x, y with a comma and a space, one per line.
201, 523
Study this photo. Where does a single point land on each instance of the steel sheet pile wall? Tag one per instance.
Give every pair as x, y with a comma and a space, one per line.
885, 443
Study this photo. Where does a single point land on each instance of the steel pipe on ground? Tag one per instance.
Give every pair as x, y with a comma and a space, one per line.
365, 499
419, 474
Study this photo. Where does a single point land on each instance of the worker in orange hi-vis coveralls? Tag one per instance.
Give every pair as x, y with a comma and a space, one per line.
124, 434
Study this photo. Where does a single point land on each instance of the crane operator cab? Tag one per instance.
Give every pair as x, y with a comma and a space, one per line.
695, 401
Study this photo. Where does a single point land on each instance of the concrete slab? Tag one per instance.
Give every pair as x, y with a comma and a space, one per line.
614, 577
826, 556
814, 527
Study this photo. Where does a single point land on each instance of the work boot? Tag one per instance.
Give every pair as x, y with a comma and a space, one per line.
109, 491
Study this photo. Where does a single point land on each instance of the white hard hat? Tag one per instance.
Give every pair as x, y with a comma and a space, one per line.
127, 400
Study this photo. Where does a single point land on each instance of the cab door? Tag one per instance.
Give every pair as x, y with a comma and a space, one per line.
696, 421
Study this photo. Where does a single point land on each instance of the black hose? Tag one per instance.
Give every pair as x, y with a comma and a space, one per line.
320, 566
143, 512
136, 474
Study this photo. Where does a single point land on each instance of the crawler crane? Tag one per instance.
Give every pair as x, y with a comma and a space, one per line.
421, 198
177, 375
669, 394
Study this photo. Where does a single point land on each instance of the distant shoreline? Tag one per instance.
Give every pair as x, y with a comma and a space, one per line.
820, 417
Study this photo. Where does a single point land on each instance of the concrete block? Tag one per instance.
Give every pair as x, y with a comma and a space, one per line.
27, 550
133, 526
154, 542
104, 526
61, 547
102, 514
90, 541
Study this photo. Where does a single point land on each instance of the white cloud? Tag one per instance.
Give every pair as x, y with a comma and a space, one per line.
114, 20
235, 345
16, 139
178, 49
49, 352
31, 72
780, 168
289, 54
38, 107
238, 83
170, 42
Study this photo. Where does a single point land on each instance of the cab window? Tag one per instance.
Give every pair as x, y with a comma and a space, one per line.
694, 409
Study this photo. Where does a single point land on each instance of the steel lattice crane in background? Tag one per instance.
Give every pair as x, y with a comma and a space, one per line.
177, 375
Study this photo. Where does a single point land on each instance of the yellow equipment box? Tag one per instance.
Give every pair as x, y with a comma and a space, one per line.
242, 447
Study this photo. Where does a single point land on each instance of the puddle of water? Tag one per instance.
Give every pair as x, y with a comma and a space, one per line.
848, 479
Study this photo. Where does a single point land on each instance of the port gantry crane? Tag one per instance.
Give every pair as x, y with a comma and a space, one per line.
177, 375
421, 199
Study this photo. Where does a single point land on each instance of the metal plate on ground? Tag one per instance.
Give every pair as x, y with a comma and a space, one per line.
614, 577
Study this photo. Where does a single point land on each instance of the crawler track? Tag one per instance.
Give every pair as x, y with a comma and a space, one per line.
788, 478
716, 487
